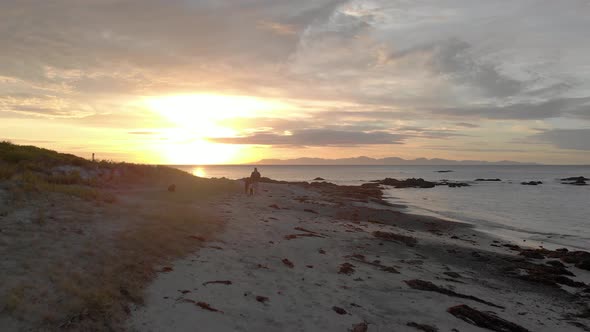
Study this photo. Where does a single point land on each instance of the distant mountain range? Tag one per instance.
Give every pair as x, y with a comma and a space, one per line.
383, 161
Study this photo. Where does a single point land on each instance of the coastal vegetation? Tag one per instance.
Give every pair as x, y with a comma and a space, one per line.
81, 239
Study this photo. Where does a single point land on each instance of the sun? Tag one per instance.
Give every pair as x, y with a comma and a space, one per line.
197, 118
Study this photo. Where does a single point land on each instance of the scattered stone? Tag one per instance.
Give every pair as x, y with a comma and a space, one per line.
261, 299
444, 171
166, 269
453, 274
223, 282
346, 268
197, 237
488, 180
512, 246
389, 236
288, 263
310, 211
580, 259
486, 320
274, 206
339, 310
322, 251
361, 327
428, 286
422, 327
172, 188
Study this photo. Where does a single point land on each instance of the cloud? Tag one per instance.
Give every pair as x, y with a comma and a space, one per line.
278, 28
466, 125
574, 139
365, 72
573, 107
315, 137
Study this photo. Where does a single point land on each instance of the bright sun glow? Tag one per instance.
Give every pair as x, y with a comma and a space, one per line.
197, 117
201, 112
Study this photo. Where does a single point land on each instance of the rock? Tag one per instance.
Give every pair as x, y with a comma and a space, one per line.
535, 254
486, 320
422, 327
288, 263
555, 264
457, 184
389, 236
584, 265
575, 178
346, 268
261, 299
453, 274
488, 180
428, 286
339, 310
172, 188
408, 183
361, 327
531, 183
319, 179
444, 171
577, 181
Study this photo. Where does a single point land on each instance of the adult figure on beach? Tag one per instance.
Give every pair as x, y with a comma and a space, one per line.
254, 179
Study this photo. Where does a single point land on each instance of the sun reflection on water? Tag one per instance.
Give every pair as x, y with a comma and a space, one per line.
199, 171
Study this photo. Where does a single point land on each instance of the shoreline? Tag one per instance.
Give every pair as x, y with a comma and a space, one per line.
279, 263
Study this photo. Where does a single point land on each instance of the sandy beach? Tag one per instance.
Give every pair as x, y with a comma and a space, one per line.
301, 258
102, 246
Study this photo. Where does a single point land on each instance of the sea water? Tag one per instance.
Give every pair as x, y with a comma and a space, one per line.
551, 214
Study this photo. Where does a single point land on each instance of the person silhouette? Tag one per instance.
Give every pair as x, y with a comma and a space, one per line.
254, 179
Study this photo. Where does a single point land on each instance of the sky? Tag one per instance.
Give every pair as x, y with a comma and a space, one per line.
220, 81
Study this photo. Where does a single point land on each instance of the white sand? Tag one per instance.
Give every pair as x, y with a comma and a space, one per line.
249, 253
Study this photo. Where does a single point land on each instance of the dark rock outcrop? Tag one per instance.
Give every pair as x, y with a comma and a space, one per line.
576, 181
422, 327
581, 259
428, 286
486, 320
531, 183
407, 183
319, 179
389, 236
488, 180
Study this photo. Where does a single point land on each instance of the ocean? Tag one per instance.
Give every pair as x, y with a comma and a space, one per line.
552, 214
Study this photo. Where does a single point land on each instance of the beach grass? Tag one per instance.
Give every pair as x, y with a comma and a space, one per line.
80, 244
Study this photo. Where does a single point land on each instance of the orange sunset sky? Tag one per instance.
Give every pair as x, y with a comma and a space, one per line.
213, 82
